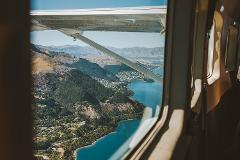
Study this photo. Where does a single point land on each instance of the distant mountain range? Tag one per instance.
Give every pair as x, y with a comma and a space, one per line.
85, 50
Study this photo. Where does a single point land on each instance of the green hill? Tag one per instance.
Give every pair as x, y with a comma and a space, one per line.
78, 87
93, 69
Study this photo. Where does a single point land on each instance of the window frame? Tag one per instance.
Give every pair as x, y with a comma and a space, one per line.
231, 48
177, 70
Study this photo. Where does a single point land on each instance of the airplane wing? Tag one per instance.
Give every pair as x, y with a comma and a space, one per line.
132, 19
74, 22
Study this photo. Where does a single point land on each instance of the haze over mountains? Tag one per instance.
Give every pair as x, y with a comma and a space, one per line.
86, 50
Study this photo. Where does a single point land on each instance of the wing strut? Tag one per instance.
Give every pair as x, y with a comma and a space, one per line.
75, 34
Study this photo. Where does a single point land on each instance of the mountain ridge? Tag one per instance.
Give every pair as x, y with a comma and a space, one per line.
86, 50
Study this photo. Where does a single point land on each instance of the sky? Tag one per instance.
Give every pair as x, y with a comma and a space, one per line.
112, 39
78, 4
109, 39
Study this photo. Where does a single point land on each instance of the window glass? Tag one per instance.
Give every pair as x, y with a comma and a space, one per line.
214, 49
94, 102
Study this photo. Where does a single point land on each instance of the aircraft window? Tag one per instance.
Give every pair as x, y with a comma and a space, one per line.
96, 92
214, 49
210, 52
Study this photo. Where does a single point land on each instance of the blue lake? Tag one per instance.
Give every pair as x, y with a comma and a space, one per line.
103, 148
148, 93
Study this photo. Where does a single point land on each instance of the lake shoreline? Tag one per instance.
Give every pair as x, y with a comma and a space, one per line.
115, 131
143, 91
